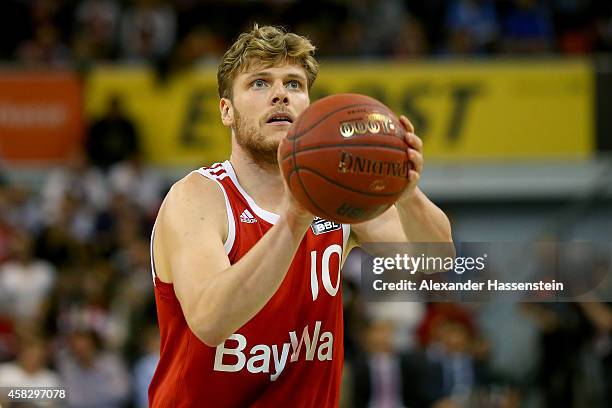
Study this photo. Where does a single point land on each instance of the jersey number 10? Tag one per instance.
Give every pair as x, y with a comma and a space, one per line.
325, 273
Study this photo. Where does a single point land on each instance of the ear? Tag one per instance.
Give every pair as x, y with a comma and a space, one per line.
227, 112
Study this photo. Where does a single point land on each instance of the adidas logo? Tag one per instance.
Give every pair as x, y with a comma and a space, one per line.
247, 217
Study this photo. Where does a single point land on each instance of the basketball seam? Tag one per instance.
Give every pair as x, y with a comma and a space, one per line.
342, 145
340, 185
306, 192
303, 132
300, 180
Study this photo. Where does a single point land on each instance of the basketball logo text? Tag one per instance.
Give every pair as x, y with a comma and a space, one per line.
351, 163
378, 185
349, 211
372, 123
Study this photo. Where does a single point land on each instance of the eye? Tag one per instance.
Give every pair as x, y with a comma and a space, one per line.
258, 83
294, 84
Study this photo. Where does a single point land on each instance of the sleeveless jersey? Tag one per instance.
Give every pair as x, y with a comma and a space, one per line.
289, 354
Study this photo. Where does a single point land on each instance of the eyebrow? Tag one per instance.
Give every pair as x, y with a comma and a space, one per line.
266, 74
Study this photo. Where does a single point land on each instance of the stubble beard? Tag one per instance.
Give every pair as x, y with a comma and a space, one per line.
251, 139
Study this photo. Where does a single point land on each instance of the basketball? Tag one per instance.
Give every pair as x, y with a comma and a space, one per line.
344, 158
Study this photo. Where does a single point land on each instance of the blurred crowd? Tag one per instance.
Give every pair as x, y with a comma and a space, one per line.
75, 280
179, 33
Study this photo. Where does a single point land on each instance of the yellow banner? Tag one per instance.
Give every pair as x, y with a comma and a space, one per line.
463, 111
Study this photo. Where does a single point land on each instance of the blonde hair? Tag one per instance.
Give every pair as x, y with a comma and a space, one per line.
267, 45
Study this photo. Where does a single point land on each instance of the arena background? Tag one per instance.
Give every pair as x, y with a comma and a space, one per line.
105, 103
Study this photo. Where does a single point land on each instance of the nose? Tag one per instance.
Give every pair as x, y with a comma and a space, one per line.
280, 95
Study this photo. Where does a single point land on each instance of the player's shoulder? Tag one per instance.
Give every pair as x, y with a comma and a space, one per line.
194, 185
194, 195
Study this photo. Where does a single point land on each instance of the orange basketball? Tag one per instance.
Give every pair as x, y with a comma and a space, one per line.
345, 158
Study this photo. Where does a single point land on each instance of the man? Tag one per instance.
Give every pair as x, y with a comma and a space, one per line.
113, 138
247, 294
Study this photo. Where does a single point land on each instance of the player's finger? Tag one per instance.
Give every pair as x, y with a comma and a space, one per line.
414, 141
414, 178
407, 124
417, 160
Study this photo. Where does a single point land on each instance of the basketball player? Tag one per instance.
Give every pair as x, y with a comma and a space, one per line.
247, 282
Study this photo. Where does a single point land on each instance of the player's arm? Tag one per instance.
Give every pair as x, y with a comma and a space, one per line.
218, 298
413, 218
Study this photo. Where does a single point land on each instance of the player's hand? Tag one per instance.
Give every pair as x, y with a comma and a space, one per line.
415, 155
294, 209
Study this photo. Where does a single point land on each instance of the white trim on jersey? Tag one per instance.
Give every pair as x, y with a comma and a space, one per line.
231, 223
151, 252
346, 232
260, 212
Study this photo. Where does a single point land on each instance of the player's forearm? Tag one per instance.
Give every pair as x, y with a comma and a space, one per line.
422, 220
232, 297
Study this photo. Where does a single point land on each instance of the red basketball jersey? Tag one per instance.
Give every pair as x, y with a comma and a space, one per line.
289, 354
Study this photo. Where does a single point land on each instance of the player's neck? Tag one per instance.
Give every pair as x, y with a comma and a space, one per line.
261, 181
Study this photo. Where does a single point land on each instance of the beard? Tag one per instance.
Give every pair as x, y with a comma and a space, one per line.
252, 140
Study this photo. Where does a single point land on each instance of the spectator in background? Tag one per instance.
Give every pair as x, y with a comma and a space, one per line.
411, 40
472, 26
6, 232
144, 368
377, 376
78, 180
528, 28
44, 49
112, 138
96, 379
515, 353
97, 28
603, 26
45, 45
6, 229
450, 347
429, 14
199, 46
599, 315
119, 225
384, 23
573, 21
382, 377
30, 367
63, 240
21, 208
405, 318
133, 262
449, 339
7, 337
139, 185
89, 302
563, 333
133, 304
25, 282
3, 179
148, 30
75, 218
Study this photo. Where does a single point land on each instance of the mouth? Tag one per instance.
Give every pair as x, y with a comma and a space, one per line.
280, 119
